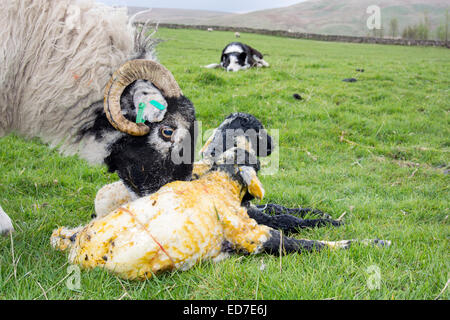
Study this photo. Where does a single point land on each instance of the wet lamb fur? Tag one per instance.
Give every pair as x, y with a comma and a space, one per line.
152, 247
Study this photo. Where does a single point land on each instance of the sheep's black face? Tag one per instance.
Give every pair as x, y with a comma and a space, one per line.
166, 154
240, 130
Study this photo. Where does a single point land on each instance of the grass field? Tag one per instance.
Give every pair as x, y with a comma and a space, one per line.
376, 149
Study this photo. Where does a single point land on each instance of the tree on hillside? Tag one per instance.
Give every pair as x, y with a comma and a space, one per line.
440, 32
410, 32
424, 27
394, 27
378, 33
419, 31
446, 26
422, 31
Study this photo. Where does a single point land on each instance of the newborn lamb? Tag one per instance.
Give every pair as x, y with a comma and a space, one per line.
181, 224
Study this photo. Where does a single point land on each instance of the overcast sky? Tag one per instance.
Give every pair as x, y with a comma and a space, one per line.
214, 5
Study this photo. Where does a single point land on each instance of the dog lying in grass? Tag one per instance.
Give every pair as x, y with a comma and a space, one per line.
183, 223
239, 56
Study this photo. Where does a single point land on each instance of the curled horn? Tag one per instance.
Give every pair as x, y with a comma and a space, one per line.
128, 73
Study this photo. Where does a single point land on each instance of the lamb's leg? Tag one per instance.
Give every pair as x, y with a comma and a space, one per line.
276, 209
63, 238
286, 222
277, 242
244, 234
111, 197
6, 226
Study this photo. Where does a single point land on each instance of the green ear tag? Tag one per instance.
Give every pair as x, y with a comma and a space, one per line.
140, 113
157, 105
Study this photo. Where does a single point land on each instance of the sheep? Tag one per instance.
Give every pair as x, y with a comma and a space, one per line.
5, 222
58, 57
238, 56
237, 34
183, 223
210, 29
240, 130
232, 132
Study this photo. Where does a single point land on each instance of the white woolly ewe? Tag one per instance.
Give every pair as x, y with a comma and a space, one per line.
55, 60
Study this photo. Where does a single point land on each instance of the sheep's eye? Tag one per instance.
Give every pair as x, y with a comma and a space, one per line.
167, 132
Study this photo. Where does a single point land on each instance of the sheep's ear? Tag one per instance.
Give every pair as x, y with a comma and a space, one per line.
256, 189
254, 185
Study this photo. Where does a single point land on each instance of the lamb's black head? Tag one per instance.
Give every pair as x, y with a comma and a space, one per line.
159, 150
241, 130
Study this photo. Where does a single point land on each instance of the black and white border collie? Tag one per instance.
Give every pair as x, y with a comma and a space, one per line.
238, 56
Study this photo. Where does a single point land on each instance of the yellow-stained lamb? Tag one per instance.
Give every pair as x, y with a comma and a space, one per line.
181, 224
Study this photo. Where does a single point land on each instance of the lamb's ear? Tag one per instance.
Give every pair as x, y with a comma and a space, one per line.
254, 185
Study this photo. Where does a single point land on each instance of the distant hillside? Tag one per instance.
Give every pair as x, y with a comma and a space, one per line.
182, 16
343, 17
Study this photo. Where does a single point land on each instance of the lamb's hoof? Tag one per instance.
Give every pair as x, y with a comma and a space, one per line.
319, 213
335, 223
345, 244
